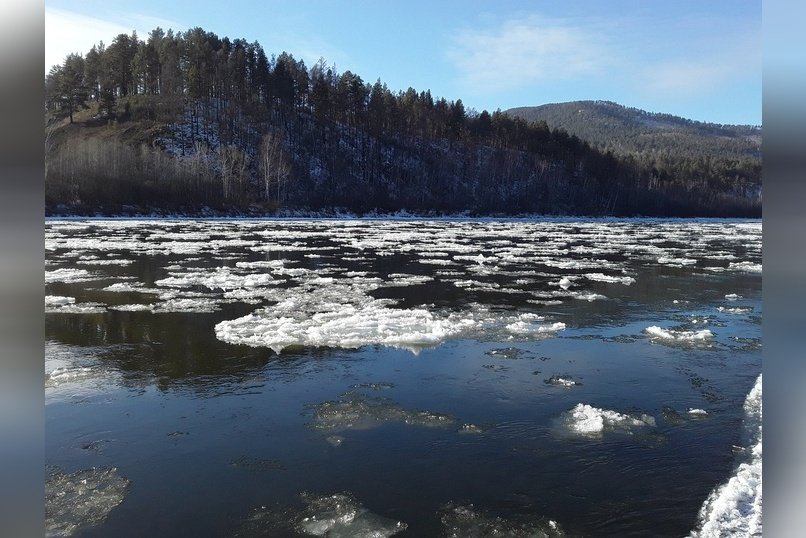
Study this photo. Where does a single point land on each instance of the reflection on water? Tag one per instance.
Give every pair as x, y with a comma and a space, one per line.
599, 367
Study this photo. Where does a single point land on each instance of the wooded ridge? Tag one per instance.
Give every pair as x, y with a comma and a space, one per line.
181, 122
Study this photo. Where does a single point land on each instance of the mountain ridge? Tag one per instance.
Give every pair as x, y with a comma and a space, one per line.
611, 126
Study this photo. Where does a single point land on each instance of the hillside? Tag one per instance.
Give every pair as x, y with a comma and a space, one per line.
624, 130
191, 122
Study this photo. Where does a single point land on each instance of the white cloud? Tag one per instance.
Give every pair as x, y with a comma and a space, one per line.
67, 32
710, 72
526, 51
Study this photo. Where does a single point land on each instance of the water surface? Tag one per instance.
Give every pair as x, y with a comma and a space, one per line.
423, 378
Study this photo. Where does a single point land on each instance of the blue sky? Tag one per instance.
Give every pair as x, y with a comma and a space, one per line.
700, 60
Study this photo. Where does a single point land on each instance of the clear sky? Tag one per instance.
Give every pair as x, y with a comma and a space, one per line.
692, 58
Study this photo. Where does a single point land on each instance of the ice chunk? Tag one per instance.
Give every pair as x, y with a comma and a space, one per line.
506, 353
82, 499
58, 300
354, 410
133, 307
735, 310
342, 516
585, 419
189, 304
669, 260
468, 522
698, 412
590, 297
735, 507
659, 333
601, 277
69, 275
470, 428
342, 325
522, 327
562, 381
76, 308
733, 297
749, 267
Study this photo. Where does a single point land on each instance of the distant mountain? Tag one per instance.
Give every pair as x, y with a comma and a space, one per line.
630, 131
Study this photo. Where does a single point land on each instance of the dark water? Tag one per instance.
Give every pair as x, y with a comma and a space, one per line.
413, 375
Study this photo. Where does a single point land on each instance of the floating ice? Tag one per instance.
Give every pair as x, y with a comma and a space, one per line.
468, 522
354, 410
342, 325
735, 508
470, 428
506, 353
342, 516
221, 278
668, 260
733, 297
129, 287
133, 307
584, 419
601, 277
735, 310
76, 308
749, 267
659, 333
590, 297
188, 305
58, 300
82, 499
561, 381
69, 276
522, 327
106, 262
700, 412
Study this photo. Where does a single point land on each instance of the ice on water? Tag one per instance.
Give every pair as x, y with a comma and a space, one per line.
80, 500
342, 516
355, 410
674, 335
584, 419
735, 507
466, 521
342, 325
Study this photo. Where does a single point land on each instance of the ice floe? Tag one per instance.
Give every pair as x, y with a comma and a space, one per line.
54, 301
601, 277
342, 325
735, 507
584, 419
662, 334
562, 381
735, 310
342, 516
81, 500
354, 410
68, 275
74, 308
466, 521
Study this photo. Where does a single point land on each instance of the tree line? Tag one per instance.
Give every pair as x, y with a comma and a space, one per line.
224, 125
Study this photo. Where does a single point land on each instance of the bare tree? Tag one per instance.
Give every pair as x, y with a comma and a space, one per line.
274, 165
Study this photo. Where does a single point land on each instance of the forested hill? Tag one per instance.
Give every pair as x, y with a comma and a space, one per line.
625, 130
191, 122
